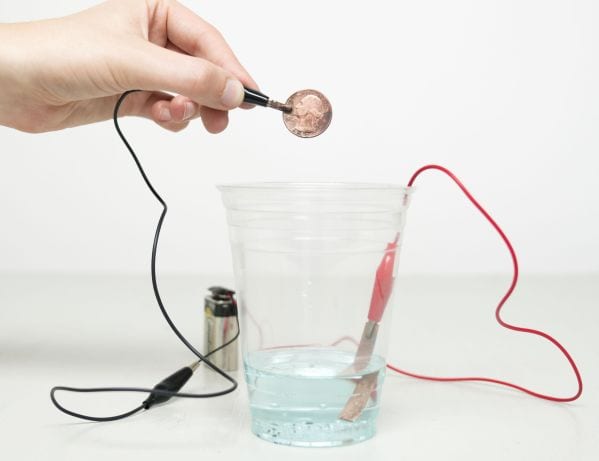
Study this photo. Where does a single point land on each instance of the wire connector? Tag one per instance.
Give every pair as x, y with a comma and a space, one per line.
173, 383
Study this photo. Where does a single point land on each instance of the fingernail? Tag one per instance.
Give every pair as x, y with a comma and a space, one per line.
233, 94
164, 115
189, 110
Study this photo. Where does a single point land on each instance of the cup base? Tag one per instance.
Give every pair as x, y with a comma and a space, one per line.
308, 433
297, 396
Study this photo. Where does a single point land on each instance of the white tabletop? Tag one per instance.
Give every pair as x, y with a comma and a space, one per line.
106, 330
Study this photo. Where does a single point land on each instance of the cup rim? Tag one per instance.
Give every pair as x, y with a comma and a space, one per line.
312, 185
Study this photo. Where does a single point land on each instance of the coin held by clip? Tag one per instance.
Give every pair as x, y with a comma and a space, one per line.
310, 115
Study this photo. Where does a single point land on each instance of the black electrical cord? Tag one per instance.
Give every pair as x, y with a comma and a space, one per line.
170, 386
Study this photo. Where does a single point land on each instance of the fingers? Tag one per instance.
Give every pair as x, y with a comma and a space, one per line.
197, 62
175, 113
156, 68
178, 109
214, 121
198, 38
171, 46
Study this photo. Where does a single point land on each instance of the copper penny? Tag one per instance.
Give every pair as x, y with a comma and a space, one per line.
310, 115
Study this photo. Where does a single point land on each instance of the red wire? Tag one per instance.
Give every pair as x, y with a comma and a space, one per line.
498, 309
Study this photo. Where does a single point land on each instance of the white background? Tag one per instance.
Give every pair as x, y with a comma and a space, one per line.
504, 92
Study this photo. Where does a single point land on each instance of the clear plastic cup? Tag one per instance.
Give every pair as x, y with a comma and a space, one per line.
305, 257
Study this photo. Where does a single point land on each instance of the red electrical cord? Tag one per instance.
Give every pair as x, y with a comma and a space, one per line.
498, 309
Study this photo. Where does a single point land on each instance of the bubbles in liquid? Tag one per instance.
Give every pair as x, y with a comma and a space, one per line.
298, 394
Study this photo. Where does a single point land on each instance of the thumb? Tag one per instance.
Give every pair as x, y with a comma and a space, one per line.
158, 69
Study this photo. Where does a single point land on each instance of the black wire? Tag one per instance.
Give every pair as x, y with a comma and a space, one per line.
201, 357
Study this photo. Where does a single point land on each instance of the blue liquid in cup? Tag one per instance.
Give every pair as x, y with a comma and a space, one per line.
297, 394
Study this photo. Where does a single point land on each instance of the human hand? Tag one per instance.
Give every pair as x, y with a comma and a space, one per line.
70, 71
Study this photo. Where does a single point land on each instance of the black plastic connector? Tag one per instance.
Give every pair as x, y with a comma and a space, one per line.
255, 97
172, 384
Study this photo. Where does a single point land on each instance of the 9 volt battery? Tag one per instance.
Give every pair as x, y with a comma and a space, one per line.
220, 326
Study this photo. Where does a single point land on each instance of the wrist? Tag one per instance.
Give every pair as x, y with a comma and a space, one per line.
9, 70
24, 95
17, 62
